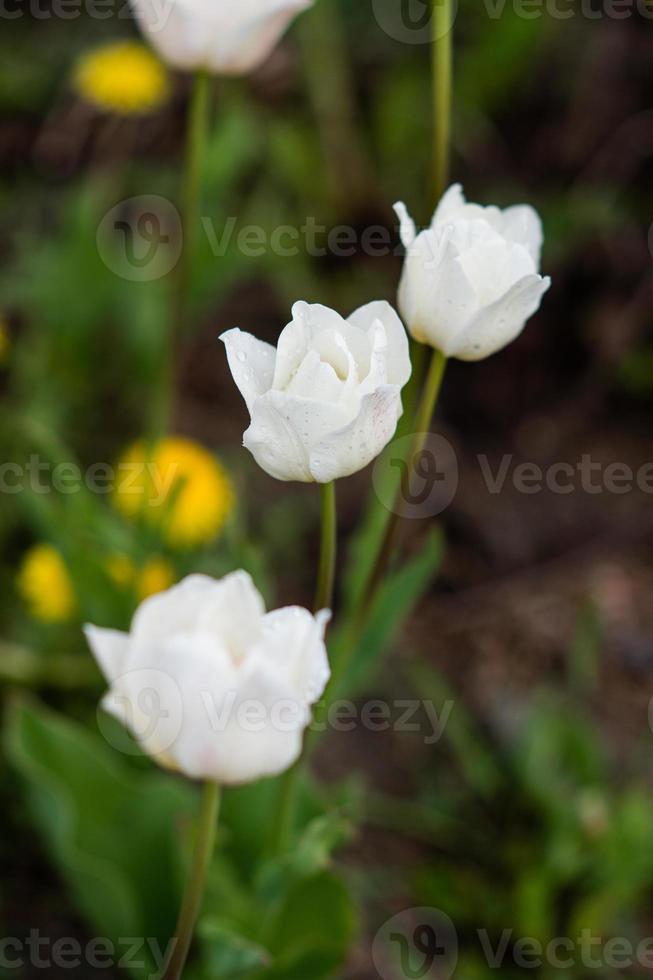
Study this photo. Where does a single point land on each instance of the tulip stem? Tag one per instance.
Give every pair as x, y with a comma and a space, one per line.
284, 812
325, 54
197, 129
442, 59
422, 425
192, 900
442, 71
284, 815
196, 140
423, 418
327, 569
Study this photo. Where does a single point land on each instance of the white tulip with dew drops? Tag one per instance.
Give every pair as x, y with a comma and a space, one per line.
212, 685
327, 400
219, 37
471, 281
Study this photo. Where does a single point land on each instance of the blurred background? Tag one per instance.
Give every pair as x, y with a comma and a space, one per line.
524, 616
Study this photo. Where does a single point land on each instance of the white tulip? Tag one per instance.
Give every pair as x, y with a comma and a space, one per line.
223, 37
326, 401
212, 685
471, 281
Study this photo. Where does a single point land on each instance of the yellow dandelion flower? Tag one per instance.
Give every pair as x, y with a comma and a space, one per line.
122, 77
178, 487
46, 586
121, 570
155, 576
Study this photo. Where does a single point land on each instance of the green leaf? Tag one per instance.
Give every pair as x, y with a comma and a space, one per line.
558, 755
311, 853
228, 954
313, 929
240, 817
470, 749
395, 602
112, 831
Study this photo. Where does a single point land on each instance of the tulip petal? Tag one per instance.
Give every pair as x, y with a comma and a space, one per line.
284, 428
167, 700
520, 224
263, 735
221, 37
436, 298
179, 31
177, 608
293, 642
273, 442
493, 266
256, 28
309, 321
378, 372
110, 649
398, 366
238, 726
501, 322
235, 611
349, 449
251, 362
407, 227
523, 225
451, 203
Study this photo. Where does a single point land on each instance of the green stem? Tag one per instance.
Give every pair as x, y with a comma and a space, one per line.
192, 901
67, 672
327, 568
325, 55
190, 197
284, 812
196, 142
426, 407
282, 821
442, 60
442, 64
423, 416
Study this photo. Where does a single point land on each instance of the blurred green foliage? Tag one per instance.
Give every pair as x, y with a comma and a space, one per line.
533, 830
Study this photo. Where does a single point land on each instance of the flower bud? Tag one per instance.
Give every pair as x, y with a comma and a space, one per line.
222, 37
210, 684
471, 281
326, 401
